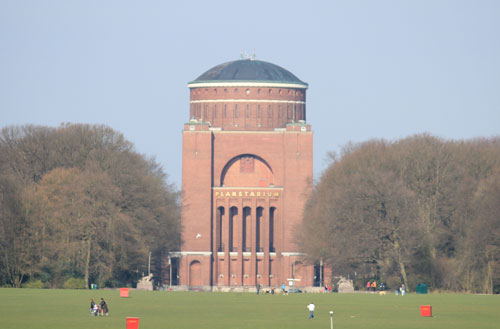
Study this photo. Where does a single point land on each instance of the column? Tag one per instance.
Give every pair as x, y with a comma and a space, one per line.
215, 257
225, 242
253, 256
253, 259
239, 272
265, 242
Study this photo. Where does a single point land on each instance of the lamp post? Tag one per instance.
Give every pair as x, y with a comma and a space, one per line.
149, 263
170, 272
331, 319
321, 283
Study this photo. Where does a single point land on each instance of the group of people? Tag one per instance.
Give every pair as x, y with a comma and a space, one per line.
272, 291
372, 286
98, 309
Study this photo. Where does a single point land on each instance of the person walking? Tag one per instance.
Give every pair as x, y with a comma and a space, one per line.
104, 307
92, 304
311, 308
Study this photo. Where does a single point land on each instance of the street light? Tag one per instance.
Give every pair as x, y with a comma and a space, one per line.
331, 319
170, 274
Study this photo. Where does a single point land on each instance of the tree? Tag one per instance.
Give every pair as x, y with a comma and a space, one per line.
20, 237
366, 212
420, 209
479, 264
81, 202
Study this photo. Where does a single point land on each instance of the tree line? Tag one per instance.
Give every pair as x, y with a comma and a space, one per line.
417, 210
77, 201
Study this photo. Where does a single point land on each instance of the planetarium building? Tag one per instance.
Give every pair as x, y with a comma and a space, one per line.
246, 175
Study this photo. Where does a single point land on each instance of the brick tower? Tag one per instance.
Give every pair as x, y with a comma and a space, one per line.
246, 175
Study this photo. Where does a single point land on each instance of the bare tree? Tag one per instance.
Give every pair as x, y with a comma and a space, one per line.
408, 210
78, 200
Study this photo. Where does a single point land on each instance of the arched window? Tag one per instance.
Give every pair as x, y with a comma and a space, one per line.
258, 230
245, 230
272, 211
233, 216
219, 224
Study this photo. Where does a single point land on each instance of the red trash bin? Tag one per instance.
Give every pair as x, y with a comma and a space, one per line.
123, 292
132, 323
425, 310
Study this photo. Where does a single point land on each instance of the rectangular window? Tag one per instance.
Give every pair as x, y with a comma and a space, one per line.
225, 111
236, 110
248, 111
258, 110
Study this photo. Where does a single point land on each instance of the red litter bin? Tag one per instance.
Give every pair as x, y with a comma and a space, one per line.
425, 310
132, 323
123, 292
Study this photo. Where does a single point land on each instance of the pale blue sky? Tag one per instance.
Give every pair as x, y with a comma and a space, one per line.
376, 69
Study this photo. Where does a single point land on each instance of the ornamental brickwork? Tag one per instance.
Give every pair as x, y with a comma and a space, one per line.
244, 108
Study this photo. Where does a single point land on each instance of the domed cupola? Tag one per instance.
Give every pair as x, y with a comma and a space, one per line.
248, 71
247, 94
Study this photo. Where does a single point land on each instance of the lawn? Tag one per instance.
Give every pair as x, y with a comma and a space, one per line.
31, 308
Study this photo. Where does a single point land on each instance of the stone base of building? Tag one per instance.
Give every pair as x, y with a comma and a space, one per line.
199, 272
263, 290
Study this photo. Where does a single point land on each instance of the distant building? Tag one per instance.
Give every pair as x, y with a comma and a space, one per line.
247, 167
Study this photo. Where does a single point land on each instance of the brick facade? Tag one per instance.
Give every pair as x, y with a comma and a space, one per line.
246, 175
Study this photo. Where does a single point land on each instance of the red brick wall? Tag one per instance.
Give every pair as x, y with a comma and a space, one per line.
242, 108
282, 163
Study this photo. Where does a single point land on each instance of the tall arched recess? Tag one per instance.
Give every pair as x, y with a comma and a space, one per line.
195, 273
247, 170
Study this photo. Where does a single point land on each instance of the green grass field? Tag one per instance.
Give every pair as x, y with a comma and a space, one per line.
31, 308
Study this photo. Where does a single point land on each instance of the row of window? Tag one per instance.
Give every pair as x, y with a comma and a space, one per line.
248, 91
196, 111
245, 229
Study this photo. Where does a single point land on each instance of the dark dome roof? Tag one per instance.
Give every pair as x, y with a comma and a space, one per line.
248, 70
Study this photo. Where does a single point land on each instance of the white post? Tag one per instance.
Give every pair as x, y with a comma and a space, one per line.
331, 319
170, 269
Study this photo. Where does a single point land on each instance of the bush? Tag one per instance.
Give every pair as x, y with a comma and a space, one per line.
111, 283
74, 283
34, 284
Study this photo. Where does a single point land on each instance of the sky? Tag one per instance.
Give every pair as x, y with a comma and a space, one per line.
375, 69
